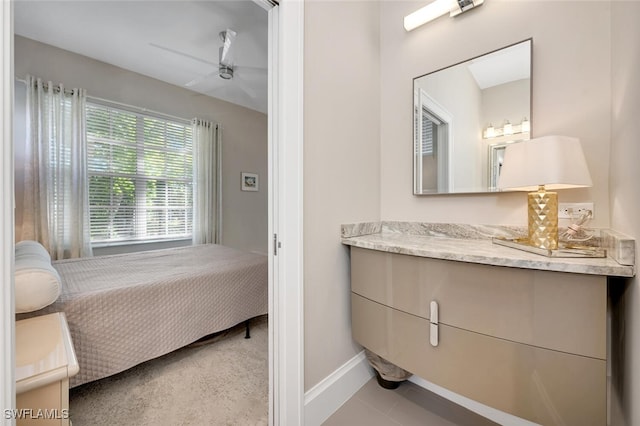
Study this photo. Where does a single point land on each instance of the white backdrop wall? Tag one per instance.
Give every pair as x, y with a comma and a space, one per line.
571, 95
244, 131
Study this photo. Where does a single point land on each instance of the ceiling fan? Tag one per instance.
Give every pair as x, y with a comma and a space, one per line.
226, 66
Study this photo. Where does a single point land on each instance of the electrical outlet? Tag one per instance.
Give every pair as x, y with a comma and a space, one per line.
571, 210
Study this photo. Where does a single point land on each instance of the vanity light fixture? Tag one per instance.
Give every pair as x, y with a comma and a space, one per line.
490, 132
550, 162
507, 129
436, 9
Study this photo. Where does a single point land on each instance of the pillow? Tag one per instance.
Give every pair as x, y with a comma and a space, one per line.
38, 284
31, 248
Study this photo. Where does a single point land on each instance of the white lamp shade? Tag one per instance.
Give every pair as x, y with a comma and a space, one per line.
557, 162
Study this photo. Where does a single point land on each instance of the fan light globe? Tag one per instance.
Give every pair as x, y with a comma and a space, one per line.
226, 72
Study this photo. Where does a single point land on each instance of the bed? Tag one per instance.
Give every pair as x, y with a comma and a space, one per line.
125, 309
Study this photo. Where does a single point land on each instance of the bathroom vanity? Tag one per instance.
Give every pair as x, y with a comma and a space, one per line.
523, 333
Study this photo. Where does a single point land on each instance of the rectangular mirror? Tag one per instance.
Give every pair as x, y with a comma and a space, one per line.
464, 115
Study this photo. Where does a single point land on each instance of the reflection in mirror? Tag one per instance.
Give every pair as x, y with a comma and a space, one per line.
464, 116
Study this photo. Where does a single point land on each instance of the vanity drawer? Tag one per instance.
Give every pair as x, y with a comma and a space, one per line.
541, 385
554, 310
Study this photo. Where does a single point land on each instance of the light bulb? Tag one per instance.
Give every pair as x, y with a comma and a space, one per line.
508, 128
491, 132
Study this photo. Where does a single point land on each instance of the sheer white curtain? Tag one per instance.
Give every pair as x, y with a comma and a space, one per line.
206, 181
56, 197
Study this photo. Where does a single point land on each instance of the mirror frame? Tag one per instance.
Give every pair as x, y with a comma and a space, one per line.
493, 148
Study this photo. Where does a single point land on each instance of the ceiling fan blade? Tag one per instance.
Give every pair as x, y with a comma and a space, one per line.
228, 88
247, 69
244, 86
248, 92
201, 79
227, 50
186, 55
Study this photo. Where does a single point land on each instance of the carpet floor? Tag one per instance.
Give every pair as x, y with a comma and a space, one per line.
221, 381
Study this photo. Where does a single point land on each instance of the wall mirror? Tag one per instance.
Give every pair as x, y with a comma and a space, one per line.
465, 115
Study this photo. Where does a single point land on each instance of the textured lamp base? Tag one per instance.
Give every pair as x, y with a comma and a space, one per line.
543, 219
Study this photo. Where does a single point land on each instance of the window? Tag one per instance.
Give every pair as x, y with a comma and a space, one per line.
432, 129
140, 176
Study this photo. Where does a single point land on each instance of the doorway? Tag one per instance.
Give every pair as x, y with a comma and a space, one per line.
285, 214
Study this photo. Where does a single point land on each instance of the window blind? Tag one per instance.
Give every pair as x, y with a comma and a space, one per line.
140, 176
430, 126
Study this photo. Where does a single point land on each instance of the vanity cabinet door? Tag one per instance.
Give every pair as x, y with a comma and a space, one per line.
554, 310
544, 386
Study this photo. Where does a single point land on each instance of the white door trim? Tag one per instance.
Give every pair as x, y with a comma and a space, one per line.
285, 219
272, 197
7, 299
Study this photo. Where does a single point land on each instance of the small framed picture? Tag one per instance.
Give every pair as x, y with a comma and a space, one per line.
249, 181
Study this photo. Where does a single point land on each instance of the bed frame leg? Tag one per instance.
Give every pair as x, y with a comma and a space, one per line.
247, 335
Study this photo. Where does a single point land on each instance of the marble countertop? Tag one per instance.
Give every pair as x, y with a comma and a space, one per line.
467, 243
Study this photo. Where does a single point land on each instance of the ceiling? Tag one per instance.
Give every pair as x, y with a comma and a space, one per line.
502, 66
173, 41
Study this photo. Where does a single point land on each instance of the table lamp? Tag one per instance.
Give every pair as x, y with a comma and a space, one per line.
539, 165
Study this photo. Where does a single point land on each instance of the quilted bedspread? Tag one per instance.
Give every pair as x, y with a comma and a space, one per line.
126, 309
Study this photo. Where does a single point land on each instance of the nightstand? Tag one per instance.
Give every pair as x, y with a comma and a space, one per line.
45, 360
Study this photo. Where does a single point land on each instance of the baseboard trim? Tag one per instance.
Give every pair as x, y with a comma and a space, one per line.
324, 399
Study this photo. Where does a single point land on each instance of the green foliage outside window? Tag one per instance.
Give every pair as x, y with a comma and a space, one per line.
140, 176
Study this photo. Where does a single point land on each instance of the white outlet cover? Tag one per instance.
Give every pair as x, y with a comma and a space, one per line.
575, 207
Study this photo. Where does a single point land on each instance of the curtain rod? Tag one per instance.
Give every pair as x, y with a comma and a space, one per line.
45, 85
108, 102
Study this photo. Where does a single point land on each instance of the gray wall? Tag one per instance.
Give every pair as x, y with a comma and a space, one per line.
341, 168
508, 101
244, 131
624, 197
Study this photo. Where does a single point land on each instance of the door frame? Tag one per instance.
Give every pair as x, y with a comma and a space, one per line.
286, 349
7, 298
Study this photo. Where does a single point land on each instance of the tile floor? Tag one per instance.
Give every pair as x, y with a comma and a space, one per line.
409, 404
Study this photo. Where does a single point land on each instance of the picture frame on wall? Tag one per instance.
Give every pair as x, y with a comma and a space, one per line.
249, 181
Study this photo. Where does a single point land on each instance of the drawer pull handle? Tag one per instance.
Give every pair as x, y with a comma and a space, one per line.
433, 327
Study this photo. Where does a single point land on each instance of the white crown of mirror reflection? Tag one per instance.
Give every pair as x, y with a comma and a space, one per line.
557, 162
507, 129
436, 9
